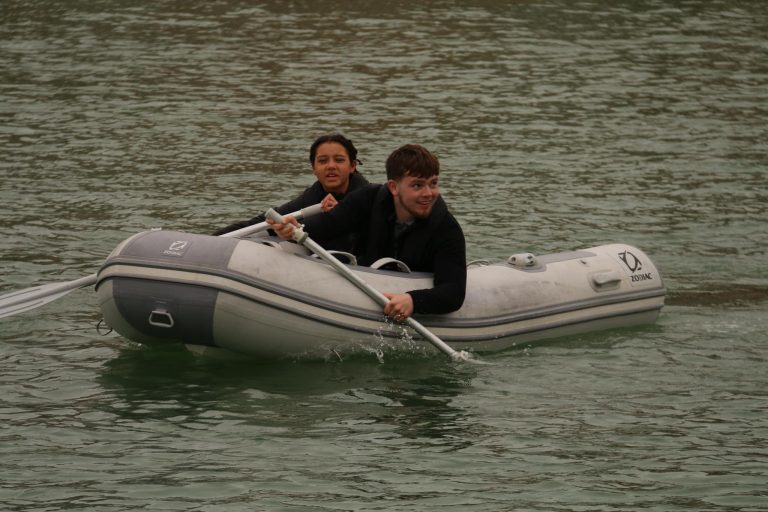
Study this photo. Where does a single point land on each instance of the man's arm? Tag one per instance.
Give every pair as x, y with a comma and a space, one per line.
450, 276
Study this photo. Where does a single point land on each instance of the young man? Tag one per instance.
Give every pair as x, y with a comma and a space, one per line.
405, 219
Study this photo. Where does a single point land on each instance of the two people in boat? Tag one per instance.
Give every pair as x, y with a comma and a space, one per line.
404, 218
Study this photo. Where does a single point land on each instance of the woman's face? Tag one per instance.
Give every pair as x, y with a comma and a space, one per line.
332, 167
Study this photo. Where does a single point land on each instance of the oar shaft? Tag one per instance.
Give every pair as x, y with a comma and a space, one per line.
40, 292
372, 292
263, 226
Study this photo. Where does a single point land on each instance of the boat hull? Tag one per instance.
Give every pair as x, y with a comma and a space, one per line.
163, 287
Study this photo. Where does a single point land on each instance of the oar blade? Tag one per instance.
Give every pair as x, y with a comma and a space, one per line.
27, 305
31, 298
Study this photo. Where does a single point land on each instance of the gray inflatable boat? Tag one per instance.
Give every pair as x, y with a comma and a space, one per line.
268, 298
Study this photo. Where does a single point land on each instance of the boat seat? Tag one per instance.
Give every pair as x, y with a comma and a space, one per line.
344, 257
390, 264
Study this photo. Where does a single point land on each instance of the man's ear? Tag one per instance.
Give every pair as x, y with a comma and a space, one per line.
392, 186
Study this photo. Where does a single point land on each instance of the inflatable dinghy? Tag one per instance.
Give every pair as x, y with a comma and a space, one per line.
266, 298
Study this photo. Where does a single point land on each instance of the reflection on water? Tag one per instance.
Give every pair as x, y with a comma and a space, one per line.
729, 295
413, 394
147, 370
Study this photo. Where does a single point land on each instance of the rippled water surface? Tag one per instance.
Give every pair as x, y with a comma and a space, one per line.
559, 125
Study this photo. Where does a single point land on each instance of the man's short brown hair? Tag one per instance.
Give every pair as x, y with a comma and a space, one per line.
412, 160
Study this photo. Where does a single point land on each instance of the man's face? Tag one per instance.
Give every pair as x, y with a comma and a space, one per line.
414, 197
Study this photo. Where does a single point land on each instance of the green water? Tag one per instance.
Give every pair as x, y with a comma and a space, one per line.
559, 125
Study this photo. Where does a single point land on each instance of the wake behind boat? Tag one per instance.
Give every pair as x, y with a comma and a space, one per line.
270, 299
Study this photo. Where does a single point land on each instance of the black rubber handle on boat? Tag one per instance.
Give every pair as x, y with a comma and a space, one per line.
302, 238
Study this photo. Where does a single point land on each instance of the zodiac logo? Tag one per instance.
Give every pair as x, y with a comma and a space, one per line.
176, 248
631, 261
178, 245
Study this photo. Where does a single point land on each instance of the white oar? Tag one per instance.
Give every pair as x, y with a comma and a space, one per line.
36, 296
263, 226
302, 238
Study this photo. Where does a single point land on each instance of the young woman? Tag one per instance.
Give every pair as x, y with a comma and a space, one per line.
334, 164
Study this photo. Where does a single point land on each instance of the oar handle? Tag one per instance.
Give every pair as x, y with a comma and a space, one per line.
302, 238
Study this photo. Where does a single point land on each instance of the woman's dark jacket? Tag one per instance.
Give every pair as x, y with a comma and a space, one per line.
435, 244
311, 196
